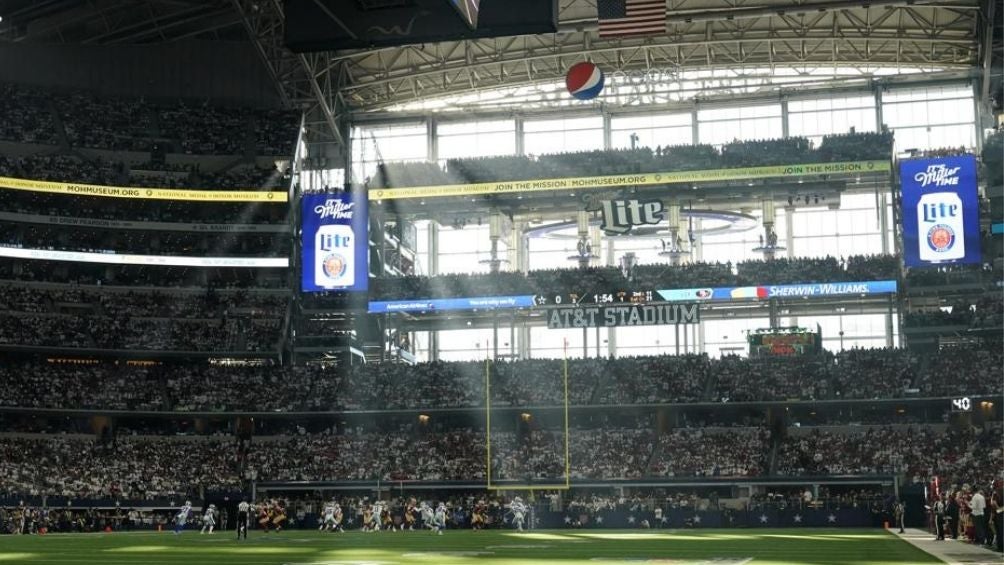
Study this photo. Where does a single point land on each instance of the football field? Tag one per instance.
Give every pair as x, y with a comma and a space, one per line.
564, 547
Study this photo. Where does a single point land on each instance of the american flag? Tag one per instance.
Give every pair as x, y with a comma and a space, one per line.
631, 17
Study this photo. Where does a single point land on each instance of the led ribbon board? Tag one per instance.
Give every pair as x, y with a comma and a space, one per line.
138, 193
811, 290
158, 260
640, 179
706, 294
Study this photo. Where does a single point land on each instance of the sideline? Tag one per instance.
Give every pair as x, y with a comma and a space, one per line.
953, 552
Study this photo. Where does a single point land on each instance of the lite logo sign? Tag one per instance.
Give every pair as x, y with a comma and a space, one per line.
621, 216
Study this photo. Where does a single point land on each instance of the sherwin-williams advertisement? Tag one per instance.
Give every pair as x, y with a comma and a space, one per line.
334, 242
941, 222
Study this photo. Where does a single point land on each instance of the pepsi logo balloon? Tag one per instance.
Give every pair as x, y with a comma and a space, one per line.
584, 81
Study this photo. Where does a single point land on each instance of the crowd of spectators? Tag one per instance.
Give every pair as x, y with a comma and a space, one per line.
55, 237
856, 374
953, 274
140, 467
79, 318
27, 116
68, 331
754, 153
955, 455
695, 452
100, 171
138, 124
78, 467
583, 282
978, 312
143, 275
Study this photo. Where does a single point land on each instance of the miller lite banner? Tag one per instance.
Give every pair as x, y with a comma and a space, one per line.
941, 221
334, 242
620, 216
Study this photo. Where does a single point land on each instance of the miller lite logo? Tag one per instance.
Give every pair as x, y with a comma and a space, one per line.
940, 227
336, 209
620, 216
333, 257
938, 175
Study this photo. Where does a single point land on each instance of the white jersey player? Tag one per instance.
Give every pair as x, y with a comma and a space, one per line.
428, 516
377, 515
327, 517
519, 511
182, 517
331, 518
209, 519
439, 519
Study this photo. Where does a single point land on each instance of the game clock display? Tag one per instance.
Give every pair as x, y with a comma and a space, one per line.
599, 298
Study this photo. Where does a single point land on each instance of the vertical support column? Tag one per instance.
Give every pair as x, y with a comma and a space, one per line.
495, 336
494, 234
697, 247
433, 260
512, 253
701, 344
789, 243
889, 317
512, 337
879, 118
785, 131
524, 342
596, 238
978, 113
769, 233
789, 230
607, 134
433, 270
674, 248
883, 217
695, 131
584, 247
520, 137
432, 139
519, 248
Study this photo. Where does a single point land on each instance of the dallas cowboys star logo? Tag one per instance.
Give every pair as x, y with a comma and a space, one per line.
763, 518
568, 520
798, 518
831, 519
630, 519
697, 519
599, 519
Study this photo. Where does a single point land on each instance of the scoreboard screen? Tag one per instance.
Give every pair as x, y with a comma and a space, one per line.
597, 298
784, 342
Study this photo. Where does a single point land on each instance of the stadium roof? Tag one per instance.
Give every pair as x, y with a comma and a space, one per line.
824, 41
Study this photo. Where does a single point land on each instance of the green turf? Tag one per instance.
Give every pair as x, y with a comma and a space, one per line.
561, 547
